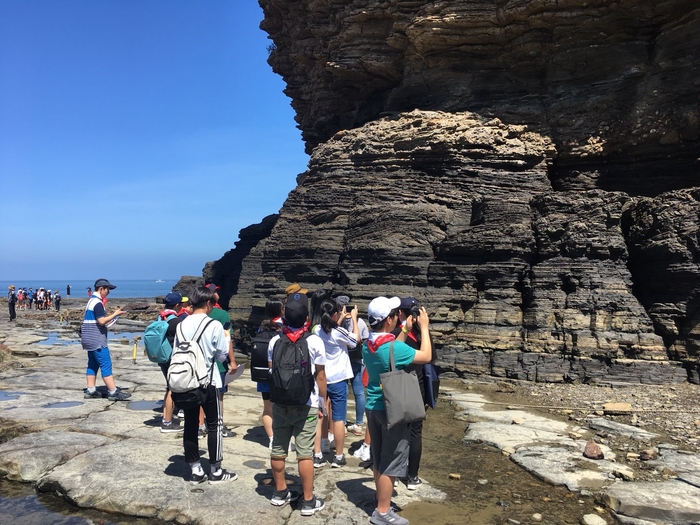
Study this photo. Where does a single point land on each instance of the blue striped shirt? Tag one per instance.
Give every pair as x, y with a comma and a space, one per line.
93, 335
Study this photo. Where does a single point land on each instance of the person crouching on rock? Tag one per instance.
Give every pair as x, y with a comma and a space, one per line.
389, 447
93, 336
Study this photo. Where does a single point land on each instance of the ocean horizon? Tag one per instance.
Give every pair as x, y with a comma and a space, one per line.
125, 288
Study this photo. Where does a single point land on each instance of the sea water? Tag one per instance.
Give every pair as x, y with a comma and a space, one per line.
125, 288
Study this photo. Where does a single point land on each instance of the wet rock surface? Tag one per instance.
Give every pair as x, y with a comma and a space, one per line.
107, 456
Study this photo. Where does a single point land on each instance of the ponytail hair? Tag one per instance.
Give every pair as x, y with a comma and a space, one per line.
328, 308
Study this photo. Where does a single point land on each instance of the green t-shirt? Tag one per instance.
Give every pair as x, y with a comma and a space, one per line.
378, 363
223, 317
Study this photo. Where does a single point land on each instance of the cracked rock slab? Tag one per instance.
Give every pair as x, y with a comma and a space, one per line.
28, 457
566, 466
671, 501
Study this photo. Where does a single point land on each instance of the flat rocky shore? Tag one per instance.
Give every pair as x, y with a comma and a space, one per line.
111, 456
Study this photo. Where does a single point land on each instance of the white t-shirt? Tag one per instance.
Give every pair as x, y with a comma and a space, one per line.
337, 343
214, 343
317, 354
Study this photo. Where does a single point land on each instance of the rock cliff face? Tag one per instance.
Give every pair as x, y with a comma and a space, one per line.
526, 169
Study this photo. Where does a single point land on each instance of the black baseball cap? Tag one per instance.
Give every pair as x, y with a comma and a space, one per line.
104, 283
407, 303
296, 310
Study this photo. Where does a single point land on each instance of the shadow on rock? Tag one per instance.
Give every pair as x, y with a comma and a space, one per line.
358, 494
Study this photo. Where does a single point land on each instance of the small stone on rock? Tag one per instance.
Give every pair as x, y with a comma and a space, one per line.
455, 476
517, 421
483, 481
616, 409
592, 450
648, 454
537, 517
593, 519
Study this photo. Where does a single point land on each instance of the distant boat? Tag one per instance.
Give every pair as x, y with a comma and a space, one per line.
160, 281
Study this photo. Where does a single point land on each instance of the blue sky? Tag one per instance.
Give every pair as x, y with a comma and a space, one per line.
136, 137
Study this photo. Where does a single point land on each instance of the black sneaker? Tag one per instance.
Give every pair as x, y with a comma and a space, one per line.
338, 463
196, 479
281, 498
119, 395
201, 433
173, 426
222, 477
413, 483
319, 462
226, 433
311, 507
95, 395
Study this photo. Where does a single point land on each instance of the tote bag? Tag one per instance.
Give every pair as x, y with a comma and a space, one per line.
402, 397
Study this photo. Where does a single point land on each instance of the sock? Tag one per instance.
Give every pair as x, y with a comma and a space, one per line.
167, 423
91, 389
197, 468
215, 468
339, 457
112, 392
365, 445
319, 455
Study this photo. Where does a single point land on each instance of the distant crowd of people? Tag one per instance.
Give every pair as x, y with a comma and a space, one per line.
27, 298
307, 354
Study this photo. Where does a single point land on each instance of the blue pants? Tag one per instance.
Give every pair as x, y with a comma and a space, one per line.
99, 359
358, 391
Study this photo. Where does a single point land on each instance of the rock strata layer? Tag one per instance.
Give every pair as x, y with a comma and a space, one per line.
528, 170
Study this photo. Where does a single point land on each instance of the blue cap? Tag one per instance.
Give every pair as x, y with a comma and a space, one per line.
173, 298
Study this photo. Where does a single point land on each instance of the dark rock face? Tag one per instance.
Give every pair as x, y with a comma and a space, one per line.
548, 215
610, 79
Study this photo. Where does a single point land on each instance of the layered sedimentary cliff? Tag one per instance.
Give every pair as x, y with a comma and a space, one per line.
527, 169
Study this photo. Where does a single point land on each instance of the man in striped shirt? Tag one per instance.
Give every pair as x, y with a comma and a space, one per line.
93, 336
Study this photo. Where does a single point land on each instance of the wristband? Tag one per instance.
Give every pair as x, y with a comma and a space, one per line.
403, 329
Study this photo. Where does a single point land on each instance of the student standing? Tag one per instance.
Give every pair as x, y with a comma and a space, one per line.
298, 420
93, 336
337, 341
215, 347
12, 301
390, 447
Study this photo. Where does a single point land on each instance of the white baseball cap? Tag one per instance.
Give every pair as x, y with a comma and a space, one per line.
380, 308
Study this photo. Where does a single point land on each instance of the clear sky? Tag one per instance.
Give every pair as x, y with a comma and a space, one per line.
136, 137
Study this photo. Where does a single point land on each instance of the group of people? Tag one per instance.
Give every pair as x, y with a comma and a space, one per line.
26, 298
317, 347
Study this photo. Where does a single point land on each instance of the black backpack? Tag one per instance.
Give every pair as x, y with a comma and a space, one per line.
291, 380
259, 369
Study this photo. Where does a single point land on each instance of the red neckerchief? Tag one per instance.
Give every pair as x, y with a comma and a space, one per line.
165, 313
216, 305
278, 320
412, 336
182, 311
293, 335
379, 341
372, 344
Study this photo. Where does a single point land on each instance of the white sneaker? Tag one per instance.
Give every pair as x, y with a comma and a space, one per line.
325, 445
363, 453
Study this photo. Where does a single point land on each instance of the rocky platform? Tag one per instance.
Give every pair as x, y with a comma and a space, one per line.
111, 456
642, 475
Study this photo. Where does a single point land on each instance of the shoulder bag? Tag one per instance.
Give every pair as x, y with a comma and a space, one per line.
402, 397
